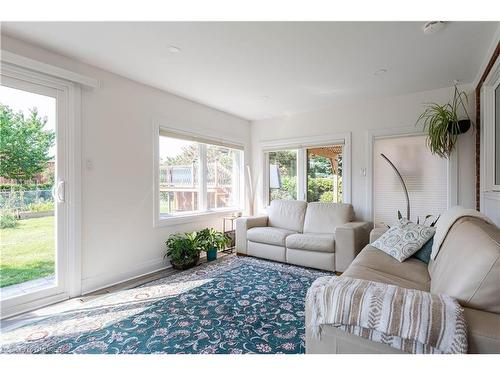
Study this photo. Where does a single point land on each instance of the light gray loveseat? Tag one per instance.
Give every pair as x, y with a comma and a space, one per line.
316, 235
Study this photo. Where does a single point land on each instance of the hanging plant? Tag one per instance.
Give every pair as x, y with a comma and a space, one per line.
443, 125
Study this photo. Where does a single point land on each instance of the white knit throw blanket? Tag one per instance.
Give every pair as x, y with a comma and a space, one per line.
410, 320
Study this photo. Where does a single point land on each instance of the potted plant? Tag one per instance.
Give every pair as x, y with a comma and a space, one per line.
443, 123
211, 241
183, 250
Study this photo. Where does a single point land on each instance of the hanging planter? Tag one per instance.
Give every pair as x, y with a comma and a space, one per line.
443, 125
462, 127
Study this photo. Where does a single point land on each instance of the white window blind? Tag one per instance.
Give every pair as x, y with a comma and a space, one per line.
186, 136
425, 175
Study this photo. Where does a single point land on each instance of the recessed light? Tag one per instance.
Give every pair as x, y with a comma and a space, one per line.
433, 27
173, 49
380, 72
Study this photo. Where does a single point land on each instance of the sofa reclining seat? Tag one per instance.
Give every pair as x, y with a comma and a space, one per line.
316, 235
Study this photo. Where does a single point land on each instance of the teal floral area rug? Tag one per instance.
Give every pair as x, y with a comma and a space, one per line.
235, 305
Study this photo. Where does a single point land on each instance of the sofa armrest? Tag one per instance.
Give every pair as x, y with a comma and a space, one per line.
242, 225
350, 238
376, 233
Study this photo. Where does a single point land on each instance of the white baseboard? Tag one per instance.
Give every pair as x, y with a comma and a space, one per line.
91, 284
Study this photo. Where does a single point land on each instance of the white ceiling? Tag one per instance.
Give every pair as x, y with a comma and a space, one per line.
260, 70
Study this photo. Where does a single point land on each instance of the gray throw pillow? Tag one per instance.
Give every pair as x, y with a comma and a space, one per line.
404, 239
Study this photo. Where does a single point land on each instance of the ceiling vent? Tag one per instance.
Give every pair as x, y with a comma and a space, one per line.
433, 26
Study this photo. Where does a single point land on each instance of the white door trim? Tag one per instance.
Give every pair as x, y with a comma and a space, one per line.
372, 135
69, 99
50, 70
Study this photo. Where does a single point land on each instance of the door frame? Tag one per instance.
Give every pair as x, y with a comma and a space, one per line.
301, 145
373, 135
69, 101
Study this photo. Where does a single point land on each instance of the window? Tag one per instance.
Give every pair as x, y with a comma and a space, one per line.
425, 176
223, 181
196, 176
283, 174
324, 174
179, 170
308, 173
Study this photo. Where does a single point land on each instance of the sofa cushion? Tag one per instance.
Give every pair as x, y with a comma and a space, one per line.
268, 235
324, 242
424, 254
468, 265
375, 265
287, 214
404, 239
325, 217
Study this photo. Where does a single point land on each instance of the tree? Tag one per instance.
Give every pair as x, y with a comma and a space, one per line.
24, 144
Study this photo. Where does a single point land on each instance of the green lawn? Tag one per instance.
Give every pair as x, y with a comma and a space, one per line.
27, 251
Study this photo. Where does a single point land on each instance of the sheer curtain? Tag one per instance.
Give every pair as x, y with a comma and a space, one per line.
425, 176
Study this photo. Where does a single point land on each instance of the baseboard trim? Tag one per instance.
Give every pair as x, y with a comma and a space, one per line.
92, 284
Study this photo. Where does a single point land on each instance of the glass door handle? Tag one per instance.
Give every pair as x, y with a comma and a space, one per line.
58, 192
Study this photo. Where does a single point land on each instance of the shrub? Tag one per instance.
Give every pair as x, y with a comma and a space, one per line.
18, 187
288, 189
40, 206
317, 186
7, 220
327, 196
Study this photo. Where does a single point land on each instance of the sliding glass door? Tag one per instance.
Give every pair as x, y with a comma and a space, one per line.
33, 230
324, 174
313, 174
283, 175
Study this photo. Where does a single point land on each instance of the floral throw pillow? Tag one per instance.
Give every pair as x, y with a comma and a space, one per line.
404, 239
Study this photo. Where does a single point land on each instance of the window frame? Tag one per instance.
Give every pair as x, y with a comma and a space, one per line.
301, 145
203, 141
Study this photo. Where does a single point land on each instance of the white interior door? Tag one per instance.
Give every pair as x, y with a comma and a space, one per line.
40, 235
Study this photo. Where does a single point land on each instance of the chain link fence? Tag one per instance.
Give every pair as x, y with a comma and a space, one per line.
25, 200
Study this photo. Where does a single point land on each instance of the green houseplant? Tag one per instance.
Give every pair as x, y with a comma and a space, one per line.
211, 241
443, 123
183, 250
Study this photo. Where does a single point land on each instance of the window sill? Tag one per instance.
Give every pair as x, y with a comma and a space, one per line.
194, 217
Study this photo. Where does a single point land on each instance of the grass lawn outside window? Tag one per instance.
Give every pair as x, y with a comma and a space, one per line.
27, 252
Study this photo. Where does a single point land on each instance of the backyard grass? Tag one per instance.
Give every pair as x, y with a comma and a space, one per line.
27, 251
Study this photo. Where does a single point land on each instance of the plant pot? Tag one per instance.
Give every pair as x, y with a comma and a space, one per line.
185, 266
212, 254
463, 127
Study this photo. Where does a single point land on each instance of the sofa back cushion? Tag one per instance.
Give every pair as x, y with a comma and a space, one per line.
325, 217
468, 265
287, 214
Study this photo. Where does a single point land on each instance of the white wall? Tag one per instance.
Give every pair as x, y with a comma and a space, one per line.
118, 237
358, 118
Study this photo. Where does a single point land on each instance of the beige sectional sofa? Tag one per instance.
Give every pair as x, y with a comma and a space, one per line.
467, 268
316, 235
